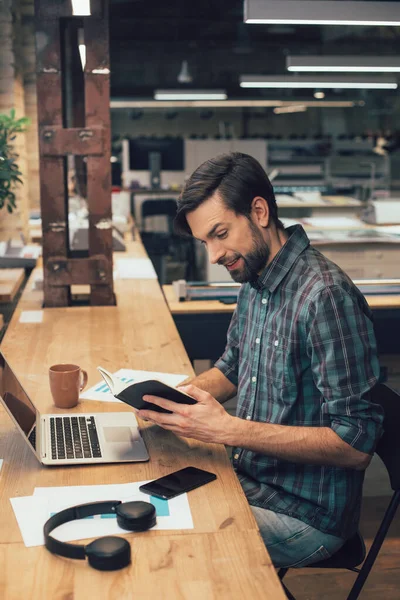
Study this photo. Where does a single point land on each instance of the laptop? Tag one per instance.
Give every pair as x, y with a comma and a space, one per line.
70, 438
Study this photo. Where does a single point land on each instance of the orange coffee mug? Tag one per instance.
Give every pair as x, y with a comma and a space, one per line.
66, 381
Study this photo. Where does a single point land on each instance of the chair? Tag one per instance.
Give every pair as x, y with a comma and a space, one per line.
353, 552
159, 207
161, 245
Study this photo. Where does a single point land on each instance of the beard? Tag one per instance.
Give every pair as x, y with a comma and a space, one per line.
254, 261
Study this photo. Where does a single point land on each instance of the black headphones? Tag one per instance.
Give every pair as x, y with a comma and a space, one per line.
107, 553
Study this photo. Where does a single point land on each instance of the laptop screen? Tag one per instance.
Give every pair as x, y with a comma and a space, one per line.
15, 398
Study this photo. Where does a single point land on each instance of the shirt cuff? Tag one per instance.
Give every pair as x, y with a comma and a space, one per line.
363, 438
230, 371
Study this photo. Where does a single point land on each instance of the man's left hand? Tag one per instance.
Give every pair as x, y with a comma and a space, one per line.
206, 420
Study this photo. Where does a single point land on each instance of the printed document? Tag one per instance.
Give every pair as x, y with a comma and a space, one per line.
33, 511
102, 392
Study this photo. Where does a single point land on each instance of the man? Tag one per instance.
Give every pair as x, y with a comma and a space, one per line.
301, 357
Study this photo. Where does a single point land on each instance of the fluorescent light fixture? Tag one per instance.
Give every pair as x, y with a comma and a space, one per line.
190, 95
184, 74
319, 95
81, 8
122, 104
292, 82
344, 64
294, 108
326, 12
82, 47
82, 52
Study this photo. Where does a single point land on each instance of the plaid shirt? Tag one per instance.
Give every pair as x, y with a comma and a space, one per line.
301, 350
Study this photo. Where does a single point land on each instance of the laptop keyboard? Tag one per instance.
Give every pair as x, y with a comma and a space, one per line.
74, 437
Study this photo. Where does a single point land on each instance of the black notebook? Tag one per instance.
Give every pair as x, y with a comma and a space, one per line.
132, 393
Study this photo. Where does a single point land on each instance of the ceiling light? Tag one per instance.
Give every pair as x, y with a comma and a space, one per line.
353, 82
328, 12
344, 64
81, 8
184, 75
319, 95
190, 95
294, 108
140, 104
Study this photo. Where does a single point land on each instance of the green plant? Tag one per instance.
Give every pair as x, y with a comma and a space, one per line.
10, 175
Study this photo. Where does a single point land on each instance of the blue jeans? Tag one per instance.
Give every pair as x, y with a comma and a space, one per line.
292, 543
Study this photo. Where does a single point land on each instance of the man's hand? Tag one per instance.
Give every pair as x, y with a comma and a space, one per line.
206, 420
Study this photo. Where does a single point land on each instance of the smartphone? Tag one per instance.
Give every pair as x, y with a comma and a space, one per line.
177, 483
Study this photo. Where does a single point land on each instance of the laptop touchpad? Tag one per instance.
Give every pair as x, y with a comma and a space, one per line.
117, 434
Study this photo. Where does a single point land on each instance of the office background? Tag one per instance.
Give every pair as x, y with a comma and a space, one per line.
333, 141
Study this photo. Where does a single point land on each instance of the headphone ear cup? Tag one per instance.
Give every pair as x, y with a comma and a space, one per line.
136, 515
108, 553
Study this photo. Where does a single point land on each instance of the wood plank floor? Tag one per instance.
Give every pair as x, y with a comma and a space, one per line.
383, 582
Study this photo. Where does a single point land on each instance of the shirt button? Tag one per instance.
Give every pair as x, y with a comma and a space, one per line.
236, 456
254, 379
276, 343
264, 301
248, 417
257, 340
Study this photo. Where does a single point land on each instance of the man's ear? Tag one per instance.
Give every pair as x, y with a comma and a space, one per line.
260, 211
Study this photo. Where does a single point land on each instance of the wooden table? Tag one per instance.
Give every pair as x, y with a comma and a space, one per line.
222, 557
203, 324
375, 301
10, 282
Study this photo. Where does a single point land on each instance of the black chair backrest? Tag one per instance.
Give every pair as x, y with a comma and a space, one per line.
159, 206
388, 448
164, 207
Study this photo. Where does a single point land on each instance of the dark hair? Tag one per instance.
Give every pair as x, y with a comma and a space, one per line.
237, 177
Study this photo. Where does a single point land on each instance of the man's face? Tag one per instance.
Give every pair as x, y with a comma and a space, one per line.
231, 240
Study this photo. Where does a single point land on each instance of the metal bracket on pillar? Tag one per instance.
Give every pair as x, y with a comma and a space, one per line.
57, 141
78, 271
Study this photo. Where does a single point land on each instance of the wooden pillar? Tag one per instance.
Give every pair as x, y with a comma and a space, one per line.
58, 138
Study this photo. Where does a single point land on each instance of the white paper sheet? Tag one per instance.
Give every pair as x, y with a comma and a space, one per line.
286, 199
31, 316
101, 392
342, 200
134, 268
392, 229
315, 235
334, 222
353, 235
382, 212
33, 511
311, 196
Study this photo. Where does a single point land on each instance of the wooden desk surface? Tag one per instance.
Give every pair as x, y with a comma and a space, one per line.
10, 282
222, 557
214, 306
213, 566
